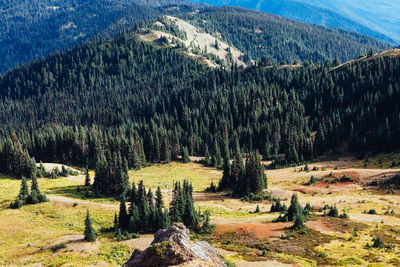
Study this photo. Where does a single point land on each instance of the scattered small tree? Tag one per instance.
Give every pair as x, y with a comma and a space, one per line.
90, 233
313, 180
333, 212
306, 168
378, 242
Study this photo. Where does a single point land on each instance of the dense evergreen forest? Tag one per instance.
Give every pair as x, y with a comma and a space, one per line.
260, 34
129, 103
146, 212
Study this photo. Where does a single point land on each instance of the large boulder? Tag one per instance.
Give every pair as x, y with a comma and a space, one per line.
172, 247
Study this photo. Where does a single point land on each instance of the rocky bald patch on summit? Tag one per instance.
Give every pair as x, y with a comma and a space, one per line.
172, 247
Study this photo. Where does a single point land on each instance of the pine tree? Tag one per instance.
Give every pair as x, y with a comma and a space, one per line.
166, 150
134, 220
90, 233
255, 179
87, 177
123, 216
134, 196
42, 170
225, 182
156, 149
207, 157
100, 179
137, 164
185, 155
115, 221
36, 196
333, 212
217, 155
298, 222
175, 205
24, 191
124, 183
31, 169
206, 228
293, 208
159, 199
166, 222
143, 207
190, 218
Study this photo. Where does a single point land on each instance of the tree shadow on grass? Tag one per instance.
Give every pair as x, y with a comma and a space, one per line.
72, 191
78, 192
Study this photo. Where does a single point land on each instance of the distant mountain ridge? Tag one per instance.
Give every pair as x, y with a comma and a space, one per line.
33, 29
379, 15
320, 12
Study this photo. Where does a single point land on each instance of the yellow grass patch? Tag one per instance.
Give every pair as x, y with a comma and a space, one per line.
163, 175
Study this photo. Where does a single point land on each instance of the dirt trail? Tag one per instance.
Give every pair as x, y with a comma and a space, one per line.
388, 220
69, 200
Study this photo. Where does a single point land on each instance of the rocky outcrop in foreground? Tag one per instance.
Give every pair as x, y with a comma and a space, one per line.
172, 247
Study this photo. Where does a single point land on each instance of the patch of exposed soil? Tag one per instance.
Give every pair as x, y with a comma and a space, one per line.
140, 243
320, 226
259, 230
341, 225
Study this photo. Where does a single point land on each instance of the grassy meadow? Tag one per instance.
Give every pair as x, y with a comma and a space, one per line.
32, 235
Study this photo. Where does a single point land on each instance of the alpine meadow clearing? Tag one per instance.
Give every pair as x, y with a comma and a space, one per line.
51, 233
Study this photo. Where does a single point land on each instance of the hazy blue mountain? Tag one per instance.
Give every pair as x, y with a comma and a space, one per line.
31, 29
380, 15
338, 14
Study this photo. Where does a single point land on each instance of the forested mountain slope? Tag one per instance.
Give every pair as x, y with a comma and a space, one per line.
366, 17
32, 29
259, 35
152, 104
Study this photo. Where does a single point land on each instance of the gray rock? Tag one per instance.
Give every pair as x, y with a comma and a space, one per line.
172, 247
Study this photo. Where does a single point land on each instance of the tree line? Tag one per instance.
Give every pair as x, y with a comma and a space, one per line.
130, 100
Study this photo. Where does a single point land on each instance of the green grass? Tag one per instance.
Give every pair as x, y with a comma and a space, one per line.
379, 161
164, 175
350, 261
226, 213
117, 254
28, 234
